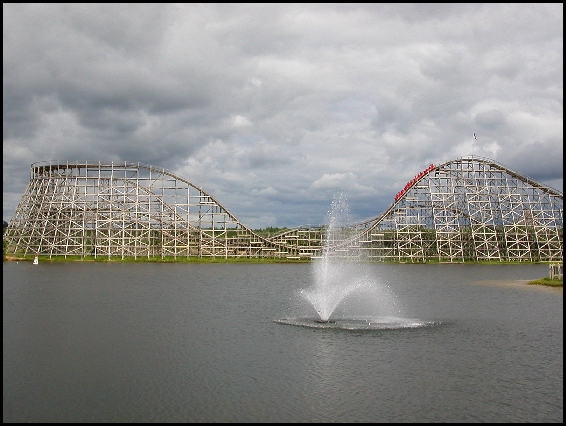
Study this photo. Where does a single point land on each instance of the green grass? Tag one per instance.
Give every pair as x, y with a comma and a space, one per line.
547, 282
195, 259
166, 259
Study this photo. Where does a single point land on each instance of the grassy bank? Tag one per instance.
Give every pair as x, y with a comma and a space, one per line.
170, 259
195, 259
547, 282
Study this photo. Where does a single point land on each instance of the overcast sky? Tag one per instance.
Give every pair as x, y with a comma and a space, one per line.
274, 108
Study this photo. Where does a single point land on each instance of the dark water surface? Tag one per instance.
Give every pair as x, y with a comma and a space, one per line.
101, 342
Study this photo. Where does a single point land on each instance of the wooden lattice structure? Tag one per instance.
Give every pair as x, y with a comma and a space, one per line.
126, 210
469, 209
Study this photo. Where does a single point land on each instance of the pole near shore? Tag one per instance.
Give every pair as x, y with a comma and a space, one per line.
555, 270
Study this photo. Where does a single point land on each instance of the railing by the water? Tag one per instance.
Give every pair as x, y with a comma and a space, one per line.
555, 270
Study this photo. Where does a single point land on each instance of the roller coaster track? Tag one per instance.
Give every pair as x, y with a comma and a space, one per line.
517, 245
468, 209
372, 223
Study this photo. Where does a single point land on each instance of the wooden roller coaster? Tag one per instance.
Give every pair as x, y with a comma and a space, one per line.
468, 209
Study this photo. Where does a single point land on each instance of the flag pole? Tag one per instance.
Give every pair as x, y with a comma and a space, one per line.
473, 144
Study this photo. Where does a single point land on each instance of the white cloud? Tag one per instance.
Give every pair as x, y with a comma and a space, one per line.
240, 121
274, 107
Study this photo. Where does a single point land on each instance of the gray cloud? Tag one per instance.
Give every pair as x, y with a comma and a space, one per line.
272, 108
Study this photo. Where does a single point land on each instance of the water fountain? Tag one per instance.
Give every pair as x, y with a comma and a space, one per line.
335, 275
346, 293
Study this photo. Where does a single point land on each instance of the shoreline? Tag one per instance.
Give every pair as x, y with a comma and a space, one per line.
543, 282
533, 284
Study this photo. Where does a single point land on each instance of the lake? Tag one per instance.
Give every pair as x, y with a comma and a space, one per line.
151, 342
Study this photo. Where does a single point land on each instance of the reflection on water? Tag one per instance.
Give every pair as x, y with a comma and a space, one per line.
103, 342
